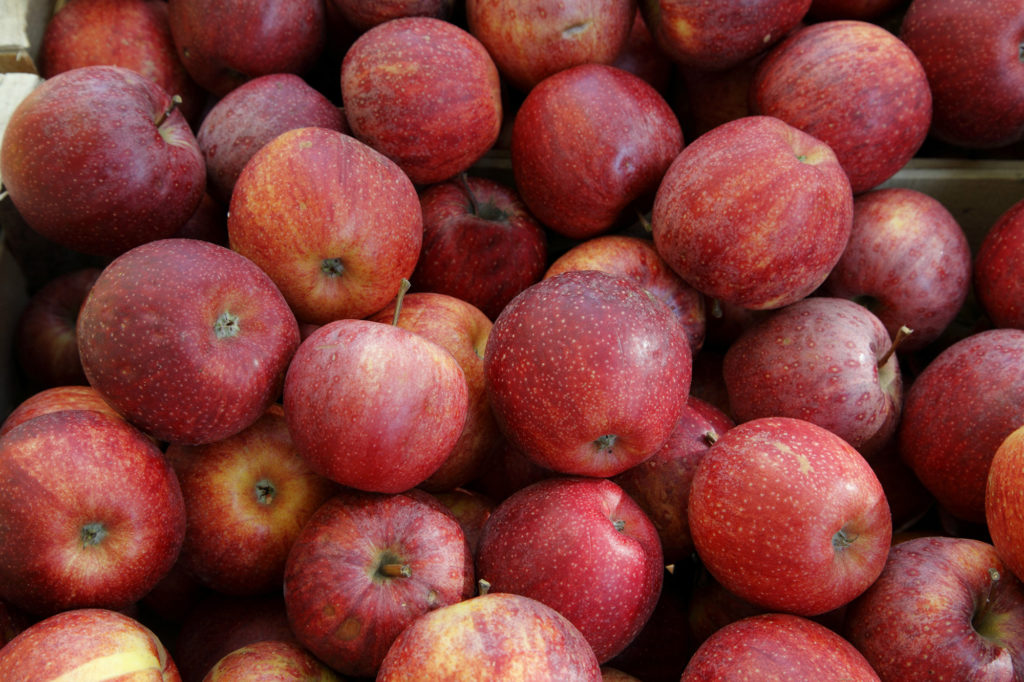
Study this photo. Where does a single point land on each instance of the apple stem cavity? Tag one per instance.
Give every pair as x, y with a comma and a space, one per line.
403, 287
332, 267
842, 539
981, 620
901, 335
226, 326
175, 101
619, 524
605, 442
93, 534
265, 491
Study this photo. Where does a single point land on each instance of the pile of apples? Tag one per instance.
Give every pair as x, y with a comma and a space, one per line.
514, 340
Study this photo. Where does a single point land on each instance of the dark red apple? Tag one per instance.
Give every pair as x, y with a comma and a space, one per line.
57, 399
867, 10
1004, 501
362, 16
997, 283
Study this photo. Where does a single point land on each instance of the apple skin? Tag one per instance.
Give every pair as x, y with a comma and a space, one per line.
588, 143
423, 92
996, 277
856, 87
343, 603
818, 360
957, 411
908, 261
970, 50
373, 406
115, 518
187, 339
251, 115
57, 399
246, 498
462, 329
270, 661
334, 223
754, 212
491, 636
865, 10
937, 607
87, 642
636, 257
45, 340
587, 373
788, 516
583, 547
480, 243
705, 98
362, 16
1004, 502
224, 43
777, 646
642, 57
718, 36
92, 186
471, 509
533, 40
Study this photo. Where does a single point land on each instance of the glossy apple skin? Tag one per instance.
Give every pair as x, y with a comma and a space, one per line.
334, 223
483, 248
78, 641
225, 43
92, 186
636, 257
373, 406
961, 406
583, 547
717, 36
856, 87
462, 329
996, 276
788, 516
114, 520
533, 40
270, 661
56, 399
908, 261
817, 360
1004, 502
342, 605
937, 607
471, 509
588, 143
423, 92
188, 340
749, 183
777, 646
970, 50
587, 373
253, 114
492, 636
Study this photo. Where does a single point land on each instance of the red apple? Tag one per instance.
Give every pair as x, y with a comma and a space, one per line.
707, 98
492, 636
958, 410
362, 16
224, 43
44, 336
642, 57
997, 283
12, 622
777, 646
209, 223
508, 471
425, 93
114, 520
365, 567
788, 516
471, 509
970, 50
84, 644
122, 170
480, 243
583, 547
270, 661
334, 223
588, 144
587, 373
530, 41
374, 406
754, 212
867, 10
57, 399
251, 115
609, 674
187, 339
908, 261
942, 604
1004, 501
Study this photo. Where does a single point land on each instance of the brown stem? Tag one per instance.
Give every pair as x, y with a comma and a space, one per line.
901, 335
483, 586
395, 570
644, 222
175, 101
403, 287
710, 437
474, 206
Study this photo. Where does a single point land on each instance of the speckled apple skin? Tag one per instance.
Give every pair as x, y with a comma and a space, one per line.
856, 87
1004, 502
56, 399
959, 409
339, 605
583, 355
270, 661
63, 471
557, 541
918, 617
423, 92
765, 504
997, 280
754, 213
146, 335
777, 646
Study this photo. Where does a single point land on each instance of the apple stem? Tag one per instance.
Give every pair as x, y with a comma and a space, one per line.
265, 491
483, 586
982, 612
716, 309
644, 222
710, 437
175, 101
92, 534
395, 570
473, 205
403, 287
226, 326
901, 335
